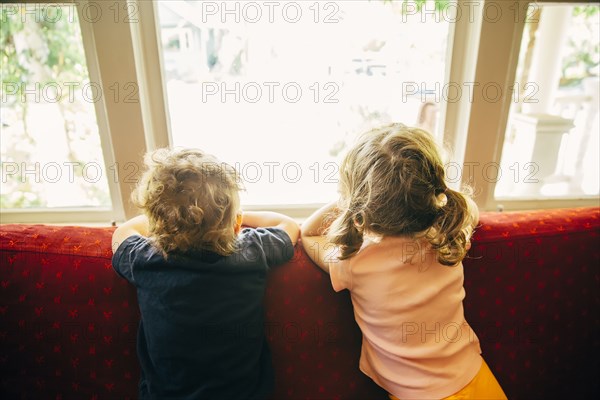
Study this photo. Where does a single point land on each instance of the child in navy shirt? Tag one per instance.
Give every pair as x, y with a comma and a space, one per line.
200, 279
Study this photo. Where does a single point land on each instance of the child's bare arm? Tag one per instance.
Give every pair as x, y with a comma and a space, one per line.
319, 221
318, 248
266, 219
135, 226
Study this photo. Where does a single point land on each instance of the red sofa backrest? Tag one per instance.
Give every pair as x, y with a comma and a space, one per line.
533, 297
68, 324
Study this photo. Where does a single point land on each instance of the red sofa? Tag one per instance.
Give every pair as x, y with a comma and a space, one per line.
68, 323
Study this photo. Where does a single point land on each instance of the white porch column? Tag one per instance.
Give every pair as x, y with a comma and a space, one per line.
546, 59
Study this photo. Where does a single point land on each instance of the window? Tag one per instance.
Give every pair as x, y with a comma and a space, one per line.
491, 163
279, 90
551, 144
50, 150
77, 45
182, 66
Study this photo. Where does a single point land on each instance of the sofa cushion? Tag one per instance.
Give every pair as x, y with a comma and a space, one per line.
532, 280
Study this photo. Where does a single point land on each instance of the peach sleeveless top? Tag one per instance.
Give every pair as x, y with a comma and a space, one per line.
416, 341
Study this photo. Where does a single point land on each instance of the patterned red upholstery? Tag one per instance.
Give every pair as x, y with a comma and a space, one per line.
533, 298
68, 323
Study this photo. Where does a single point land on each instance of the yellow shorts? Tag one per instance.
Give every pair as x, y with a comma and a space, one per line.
483, 387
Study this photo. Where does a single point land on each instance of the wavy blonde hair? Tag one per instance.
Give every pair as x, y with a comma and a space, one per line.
191, 200
391, 183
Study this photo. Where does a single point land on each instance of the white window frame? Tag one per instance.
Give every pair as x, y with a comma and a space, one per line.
120, 124
477, 52
149, 53
500, 41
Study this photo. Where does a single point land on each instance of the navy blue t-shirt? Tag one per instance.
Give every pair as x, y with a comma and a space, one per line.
201, 334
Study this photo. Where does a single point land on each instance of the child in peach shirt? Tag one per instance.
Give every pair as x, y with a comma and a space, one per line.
396, 241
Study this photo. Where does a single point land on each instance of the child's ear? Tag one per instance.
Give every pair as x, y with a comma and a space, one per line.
238, 223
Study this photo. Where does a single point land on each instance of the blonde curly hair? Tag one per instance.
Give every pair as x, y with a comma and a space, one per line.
191, 200
392, 183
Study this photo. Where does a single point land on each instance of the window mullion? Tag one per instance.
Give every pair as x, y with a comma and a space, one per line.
89, 47
148, 62
462, 56
497, 59
121, 97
